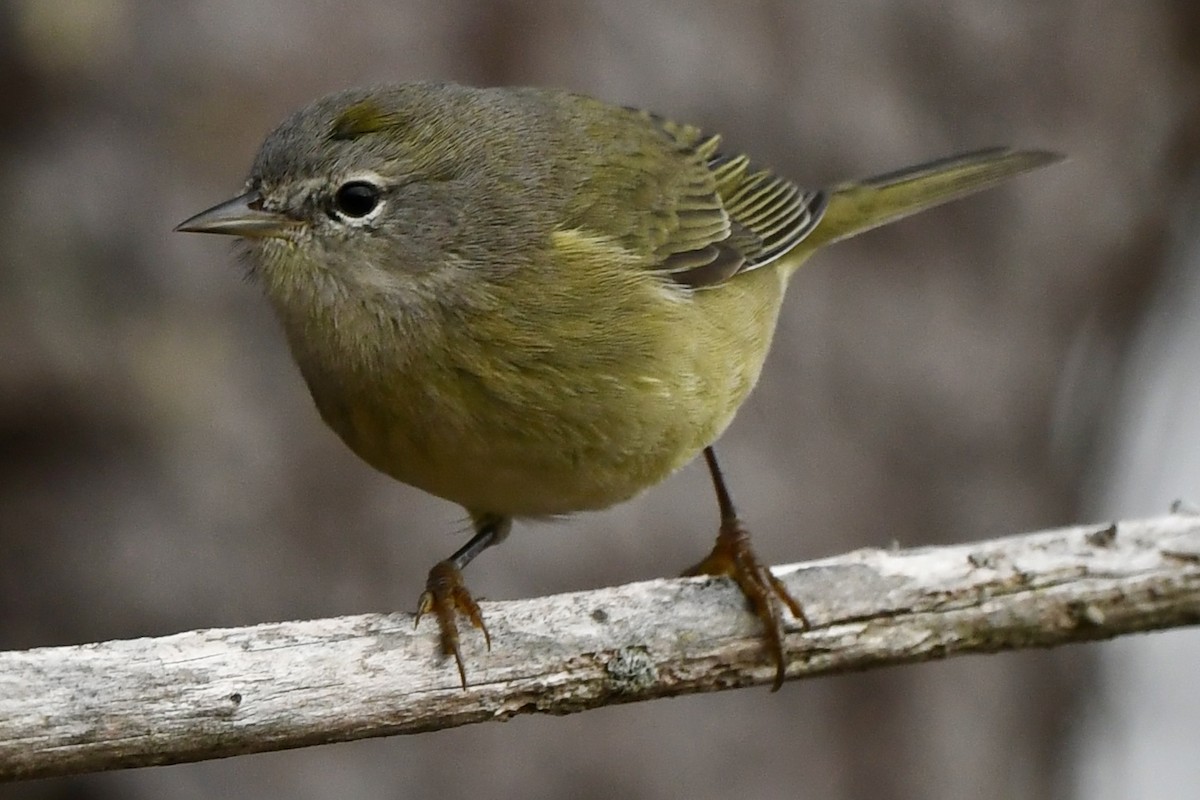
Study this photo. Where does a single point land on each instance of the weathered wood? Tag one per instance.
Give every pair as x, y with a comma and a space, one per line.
215, 693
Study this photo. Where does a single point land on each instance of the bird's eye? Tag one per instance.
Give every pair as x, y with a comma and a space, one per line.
356, 199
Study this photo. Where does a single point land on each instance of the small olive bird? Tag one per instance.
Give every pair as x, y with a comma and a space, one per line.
531, 303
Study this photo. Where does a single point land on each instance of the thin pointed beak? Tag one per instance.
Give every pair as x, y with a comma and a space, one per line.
240, 216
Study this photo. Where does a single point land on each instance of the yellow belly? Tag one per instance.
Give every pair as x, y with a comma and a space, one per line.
569, 403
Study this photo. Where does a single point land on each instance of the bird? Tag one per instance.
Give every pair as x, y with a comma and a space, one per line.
533, 303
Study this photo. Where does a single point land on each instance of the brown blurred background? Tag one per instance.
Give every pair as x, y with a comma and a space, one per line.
949, 378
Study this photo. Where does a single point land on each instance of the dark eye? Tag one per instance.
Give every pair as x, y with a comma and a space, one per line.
356, 199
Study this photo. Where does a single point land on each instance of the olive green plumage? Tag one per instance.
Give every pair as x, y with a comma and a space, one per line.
531, 303
556, 302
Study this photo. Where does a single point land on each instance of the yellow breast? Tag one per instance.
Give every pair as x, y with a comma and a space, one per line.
492, 411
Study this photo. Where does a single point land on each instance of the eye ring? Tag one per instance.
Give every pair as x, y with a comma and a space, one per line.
356, 199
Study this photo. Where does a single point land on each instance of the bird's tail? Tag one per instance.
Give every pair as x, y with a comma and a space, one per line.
861, 205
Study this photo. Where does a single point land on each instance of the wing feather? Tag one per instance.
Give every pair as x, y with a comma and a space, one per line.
700, 215
766, 215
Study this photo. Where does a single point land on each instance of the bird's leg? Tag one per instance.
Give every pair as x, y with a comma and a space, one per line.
446, 593
732, 557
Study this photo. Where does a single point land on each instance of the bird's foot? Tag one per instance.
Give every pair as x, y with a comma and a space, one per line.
447, 596
732, 557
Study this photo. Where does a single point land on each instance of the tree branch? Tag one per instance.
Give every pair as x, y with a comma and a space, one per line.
215, 693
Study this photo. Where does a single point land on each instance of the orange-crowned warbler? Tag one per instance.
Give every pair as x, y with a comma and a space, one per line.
532, 303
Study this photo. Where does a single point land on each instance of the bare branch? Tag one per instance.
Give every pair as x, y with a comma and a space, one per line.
215, 693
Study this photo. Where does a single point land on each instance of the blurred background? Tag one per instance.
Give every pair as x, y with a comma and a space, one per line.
1022, 359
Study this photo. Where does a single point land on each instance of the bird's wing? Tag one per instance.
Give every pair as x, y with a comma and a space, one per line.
701, 215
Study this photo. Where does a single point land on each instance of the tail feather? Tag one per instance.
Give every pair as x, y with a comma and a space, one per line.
862, 205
